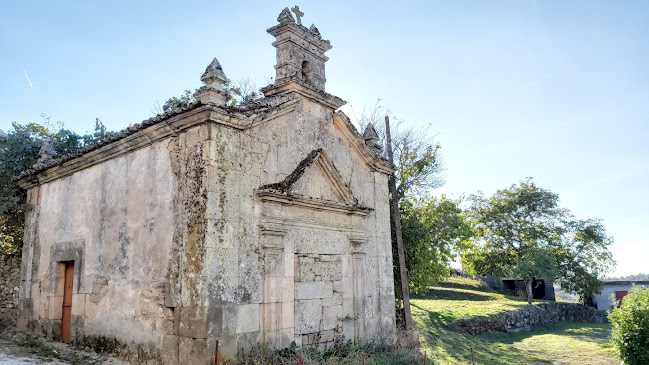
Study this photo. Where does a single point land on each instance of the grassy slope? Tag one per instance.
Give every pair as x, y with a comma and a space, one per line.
566, 343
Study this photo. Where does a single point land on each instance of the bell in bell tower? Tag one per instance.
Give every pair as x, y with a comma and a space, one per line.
300, 50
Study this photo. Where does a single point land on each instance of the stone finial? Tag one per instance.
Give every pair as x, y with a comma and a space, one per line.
369, 135
47, 152
285, 17
372, 138
214, 72
213, 91
315, 31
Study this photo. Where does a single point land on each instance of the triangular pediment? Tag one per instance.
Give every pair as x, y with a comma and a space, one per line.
315, 183
315, 177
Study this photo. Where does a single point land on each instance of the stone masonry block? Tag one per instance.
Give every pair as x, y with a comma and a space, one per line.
288, 315
78, 304
56, 308
348, 329
288, 290
336, 299
308, 314
248, 318
169, 351
331, 316
338, 286
313, 290
348, 307
193, 322
193, 351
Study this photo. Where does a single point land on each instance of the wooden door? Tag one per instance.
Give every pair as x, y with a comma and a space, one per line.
67, 302
619, 295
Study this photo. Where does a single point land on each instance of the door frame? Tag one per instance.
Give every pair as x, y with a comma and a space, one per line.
68, 291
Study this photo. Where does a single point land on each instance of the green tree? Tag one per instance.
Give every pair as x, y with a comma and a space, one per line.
523, 232
630, 334
584, 257
434, 229
19, 149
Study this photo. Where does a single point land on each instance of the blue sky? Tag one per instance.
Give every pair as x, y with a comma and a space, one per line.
555, 90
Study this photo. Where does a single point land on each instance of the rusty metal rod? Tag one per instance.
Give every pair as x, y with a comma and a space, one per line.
216, 353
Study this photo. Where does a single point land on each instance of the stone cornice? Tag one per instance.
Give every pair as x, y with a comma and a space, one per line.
268, 195
152, 130
294, 85
357, 143
291, 32
119, 147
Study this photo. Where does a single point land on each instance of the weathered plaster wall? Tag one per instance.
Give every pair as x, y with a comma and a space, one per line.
256, 279
116, 221
9, 287
174, 250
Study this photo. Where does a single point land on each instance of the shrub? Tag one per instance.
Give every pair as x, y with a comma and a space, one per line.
630, 322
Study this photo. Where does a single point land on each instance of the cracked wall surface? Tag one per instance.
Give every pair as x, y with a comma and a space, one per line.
175, 247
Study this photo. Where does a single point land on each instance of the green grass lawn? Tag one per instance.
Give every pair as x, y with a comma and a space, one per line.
459, 298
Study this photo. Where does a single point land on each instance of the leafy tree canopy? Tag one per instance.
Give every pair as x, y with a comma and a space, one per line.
523, 232
434, 229
19, 149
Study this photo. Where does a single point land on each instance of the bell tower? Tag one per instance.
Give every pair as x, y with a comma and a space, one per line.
300, 51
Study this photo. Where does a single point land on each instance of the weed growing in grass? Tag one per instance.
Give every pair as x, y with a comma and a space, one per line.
341, 352
38, 348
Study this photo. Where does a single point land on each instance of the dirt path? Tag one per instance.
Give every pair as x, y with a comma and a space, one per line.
21, 348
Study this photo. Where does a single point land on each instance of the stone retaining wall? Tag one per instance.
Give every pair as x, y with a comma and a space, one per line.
9, 286
539, 314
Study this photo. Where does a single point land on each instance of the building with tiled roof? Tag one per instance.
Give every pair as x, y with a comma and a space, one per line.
262, 223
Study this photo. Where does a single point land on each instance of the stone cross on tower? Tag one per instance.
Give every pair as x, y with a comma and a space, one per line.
300, 51
298, 14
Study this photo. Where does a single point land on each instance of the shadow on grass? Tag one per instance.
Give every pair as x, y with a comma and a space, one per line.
585, 332
588, 332
465, 286
437, 319
447, 345
451, 294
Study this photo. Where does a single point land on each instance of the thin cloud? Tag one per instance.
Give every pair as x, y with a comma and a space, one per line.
28, 80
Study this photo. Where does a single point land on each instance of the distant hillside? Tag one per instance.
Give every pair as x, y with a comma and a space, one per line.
636, 277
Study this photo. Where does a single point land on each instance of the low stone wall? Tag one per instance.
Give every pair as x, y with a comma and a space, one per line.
9, 286
539, 314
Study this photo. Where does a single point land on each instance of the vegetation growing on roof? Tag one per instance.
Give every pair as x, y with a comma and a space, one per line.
19, 151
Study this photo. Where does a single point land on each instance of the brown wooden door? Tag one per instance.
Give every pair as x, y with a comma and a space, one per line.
619, 295
67, 302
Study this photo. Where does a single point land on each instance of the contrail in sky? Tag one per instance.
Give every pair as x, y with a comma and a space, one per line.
28, 80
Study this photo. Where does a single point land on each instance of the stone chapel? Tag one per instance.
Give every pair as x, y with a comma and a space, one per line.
265, 222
